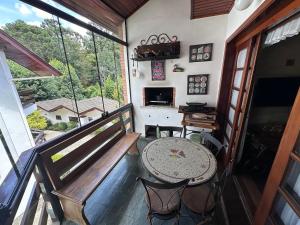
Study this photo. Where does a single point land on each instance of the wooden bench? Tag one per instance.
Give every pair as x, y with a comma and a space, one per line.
77, 172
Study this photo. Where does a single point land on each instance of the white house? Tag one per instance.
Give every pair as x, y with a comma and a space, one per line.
64, 109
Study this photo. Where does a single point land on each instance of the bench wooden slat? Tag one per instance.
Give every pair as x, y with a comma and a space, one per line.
83, 186
86, 164
62, 145
69, 160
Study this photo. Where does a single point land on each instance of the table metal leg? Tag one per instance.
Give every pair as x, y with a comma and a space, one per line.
184, 131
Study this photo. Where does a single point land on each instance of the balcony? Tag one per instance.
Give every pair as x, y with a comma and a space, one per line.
87, 87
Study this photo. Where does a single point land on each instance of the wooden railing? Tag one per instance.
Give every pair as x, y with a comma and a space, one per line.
41, 198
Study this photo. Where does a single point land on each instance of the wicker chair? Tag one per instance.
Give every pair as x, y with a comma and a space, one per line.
163, 199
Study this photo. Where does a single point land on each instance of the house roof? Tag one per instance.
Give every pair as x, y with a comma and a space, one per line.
23, 56
84, 105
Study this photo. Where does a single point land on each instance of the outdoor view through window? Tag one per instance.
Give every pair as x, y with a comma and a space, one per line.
90, 81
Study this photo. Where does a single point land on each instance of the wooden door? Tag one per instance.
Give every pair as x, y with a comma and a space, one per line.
240, 87
280, 203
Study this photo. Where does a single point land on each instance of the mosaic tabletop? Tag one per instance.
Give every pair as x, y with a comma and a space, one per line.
174, 159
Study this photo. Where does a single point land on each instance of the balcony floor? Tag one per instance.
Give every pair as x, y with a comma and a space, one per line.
119, 200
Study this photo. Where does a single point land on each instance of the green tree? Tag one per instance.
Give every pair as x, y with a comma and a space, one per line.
64, 83
36, 120
109, 88
45, 41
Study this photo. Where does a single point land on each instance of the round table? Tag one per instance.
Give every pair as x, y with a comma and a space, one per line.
174, 159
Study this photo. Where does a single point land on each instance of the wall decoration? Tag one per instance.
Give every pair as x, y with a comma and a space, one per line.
158, 70
201, 53
157, 47
178, 68
197, 84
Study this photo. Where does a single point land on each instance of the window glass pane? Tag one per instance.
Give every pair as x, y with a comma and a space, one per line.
241, 58
291, 180
231, 115
234, 97
283, 213
238, 78
228, 130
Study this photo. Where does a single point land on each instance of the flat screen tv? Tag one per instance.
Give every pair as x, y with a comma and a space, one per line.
276, 91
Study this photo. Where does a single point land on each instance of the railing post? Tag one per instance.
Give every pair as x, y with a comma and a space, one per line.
132, 118
46, 189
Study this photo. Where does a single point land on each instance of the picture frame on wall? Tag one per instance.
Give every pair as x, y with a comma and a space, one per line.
201, 53
197, 84
158, 70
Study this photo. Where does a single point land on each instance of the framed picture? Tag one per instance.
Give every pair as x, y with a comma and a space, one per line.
158, 70
201, 53
197, 84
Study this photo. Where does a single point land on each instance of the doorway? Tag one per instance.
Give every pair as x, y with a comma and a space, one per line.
276, 81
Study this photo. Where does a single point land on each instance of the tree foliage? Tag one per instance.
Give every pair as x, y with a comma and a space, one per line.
36, 120
45, 41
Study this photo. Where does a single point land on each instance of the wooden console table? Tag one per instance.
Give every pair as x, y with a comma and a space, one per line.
188, 120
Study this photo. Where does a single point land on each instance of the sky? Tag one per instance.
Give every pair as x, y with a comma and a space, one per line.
12, 10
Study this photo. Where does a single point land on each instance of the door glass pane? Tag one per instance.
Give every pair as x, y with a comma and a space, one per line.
291, 180
228, 130
231, 115
238, 78
283, 213
234, 97
241, 58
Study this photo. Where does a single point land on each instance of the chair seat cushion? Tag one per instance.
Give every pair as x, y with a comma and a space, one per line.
195, 198
166, 203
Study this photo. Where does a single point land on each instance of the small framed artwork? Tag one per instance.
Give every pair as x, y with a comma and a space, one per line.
158, 70
197, 84
201, 53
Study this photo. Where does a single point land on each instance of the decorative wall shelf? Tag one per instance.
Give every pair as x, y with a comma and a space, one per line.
157, 47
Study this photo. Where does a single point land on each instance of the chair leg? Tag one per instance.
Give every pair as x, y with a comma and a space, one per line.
177, 219
149, 218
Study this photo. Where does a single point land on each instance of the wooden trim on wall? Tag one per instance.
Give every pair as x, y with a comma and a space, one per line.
281, 12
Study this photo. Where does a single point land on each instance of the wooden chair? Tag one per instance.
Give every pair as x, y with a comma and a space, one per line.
204, 199
163, 199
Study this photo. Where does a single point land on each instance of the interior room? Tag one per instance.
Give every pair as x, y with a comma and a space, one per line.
276, 83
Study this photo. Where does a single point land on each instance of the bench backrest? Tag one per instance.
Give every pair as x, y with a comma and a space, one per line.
66, 160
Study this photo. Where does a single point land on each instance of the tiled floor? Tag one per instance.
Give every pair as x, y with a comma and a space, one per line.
119, 200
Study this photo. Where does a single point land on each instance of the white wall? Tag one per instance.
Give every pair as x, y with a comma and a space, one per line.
65, 114
236, 17
173, 18
12, 118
